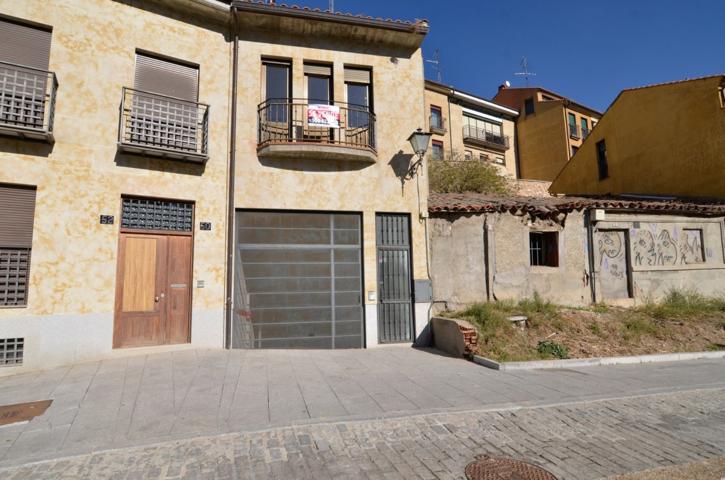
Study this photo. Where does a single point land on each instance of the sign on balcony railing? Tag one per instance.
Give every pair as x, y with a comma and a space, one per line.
323, 115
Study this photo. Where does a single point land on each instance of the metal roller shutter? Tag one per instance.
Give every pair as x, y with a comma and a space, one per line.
24, 45
17, 209
298, 281
166, 78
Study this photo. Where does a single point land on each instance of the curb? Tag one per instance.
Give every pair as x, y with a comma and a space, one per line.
595, 362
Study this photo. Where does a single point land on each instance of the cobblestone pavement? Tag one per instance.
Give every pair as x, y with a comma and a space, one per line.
579, 441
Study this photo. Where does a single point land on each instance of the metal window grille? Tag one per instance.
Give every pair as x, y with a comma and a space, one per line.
536, 248
14, 274
152, 214
544, 249
163, 122
11, 351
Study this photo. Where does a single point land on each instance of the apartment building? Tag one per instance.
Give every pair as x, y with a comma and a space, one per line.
658, 140
469, 127
550, 129
121, 135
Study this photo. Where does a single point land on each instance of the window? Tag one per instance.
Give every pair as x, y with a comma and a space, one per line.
574, 149
319, 84
23, 90
573, 130
468, 155
164, 109
436, 117
693, 251
602, 160
529, 106
544, 249
481, 129
585, 127
277, 89
17, 209
483, 157
359, 96
436, 150
499, 160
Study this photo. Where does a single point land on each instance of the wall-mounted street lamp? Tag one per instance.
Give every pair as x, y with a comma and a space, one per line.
419, 140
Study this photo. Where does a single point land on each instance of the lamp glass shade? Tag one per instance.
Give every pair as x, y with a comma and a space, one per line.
419, 141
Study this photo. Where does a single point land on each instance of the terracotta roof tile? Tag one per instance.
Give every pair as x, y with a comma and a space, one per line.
545, 206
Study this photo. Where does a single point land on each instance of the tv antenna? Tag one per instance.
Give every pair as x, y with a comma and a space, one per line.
437, 65
525, 67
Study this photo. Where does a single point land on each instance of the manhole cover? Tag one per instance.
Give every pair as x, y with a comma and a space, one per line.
497, 468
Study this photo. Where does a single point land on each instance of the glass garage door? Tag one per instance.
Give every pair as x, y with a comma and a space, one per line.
297, 280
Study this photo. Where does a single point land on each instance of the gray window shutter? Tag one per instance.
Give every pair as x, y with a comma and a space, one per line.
24, 45
166, 78
324, 70
357, 75
17, 209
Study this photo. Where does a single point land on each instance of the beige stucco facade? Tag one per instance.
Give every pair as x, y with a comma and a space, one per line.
327, 184
455, 106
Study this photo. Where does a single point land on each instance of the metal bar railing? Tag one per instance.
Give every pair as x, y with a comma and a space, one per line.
163, 123
289, 121
437, 122
27, 98
481, 135
574, 131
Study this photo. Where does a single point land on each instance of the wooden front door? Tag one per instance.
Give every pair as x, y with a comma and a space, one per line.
153, 291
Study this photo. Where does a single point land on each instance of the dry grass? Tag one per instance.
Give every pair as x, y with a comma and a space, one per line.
682, 322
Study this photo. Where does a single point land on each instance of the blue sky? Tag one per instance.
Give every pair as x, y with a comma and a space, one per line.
587, 50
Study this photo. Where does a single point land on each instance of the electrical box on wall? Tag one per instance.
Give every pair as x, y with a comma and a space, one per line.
599, 215
423, 291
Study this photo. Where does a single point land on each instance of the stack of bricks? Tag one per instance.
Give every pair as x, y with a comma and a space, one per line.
470, 337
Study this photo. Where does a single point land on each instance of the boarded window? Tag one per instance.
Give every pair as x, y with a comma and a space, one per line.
544, 249
17, 209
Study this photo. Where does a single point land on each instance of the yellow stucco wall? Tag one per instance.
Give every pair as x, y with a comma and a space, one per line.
662, 140
82, 176
542, 141
330, 185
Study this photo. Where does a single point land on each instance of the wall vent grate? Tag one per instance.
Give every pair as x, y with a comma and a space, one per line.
152, 214
11, 351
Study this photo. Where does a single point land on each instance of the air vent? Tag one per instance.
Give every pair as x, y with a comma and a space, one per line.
11, 351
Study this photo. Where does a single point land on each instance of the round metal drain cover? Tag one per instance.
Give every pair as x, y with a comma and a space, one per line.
498, 468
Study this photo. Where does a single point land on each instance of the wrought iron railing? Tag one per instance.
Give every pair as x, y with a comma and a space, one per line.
291, 121
149, 121
574, 131
27, 99
479, 135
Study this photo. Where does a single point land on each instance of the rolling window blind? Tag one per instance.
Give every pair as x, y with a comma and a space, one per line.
24, 45
166, 78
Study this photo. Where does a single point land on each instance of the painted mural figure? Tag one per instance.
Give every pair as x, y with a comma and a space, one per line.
644, 248
666, 249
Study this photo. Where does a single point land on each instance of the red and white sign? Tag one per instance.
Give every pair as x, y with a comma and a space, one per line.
323, 115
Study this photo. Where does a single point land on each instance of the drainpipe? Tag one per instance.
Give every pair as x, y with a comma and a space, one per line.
590, 254
486, 259
450, 125
230, 193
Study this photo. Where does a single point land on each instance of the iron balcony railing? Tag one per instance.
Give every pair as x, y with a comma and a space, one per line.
480, 136
159, 125
27, 101
585, 132
574, 131
437, 123
285, 121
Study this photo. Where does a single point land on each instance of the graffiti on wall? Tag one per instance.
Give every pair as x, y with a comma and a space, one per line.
613, 263
653, 245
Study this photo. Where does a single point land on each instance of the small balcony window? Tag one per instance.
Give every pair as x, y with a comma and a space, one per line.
529, 106
480, 132
436, 119
544, 249
436, 152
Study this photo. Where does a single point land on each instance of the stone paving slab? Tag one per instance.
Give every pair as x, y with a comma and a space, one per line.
587, 440
139, 400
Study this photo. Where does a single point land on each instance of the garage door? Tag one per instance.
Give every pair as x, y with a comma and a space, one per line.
298, 280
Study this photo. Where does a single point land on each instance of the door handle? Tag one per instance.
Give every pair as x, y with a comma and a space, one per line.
159, 297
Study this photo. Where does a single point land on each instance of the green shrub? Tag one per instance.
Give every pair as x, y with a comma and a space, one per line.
684, 303
595, 329
459, 176
549, 348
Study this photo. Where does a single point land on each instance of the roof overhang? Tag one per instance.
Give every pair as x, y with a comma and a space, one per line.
306, 21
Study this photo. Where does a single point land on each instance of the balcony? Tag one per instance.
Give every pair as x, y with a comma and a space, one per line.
287, 130
585, 133
437, 124
483, 138
27, 102
161, 126
574, 131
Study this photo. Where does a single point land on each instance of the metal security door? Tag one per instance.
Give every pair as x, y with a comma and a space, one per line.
395, 305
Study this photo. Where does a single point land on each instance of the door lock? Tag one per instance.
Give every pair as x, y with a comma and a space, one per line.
158, 297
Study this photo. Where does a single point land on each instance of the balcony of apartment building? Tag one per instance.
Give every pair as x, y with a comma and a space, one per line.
296, 128
163, 126
27, 102
578, 133
485, 138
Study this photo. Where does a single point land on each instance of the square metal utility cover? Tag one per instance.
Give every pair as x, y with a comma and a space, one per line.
22, 412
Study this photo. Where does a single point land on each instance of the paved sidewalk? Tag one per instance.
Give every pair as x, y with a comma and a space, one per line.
583, 441
155, 398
